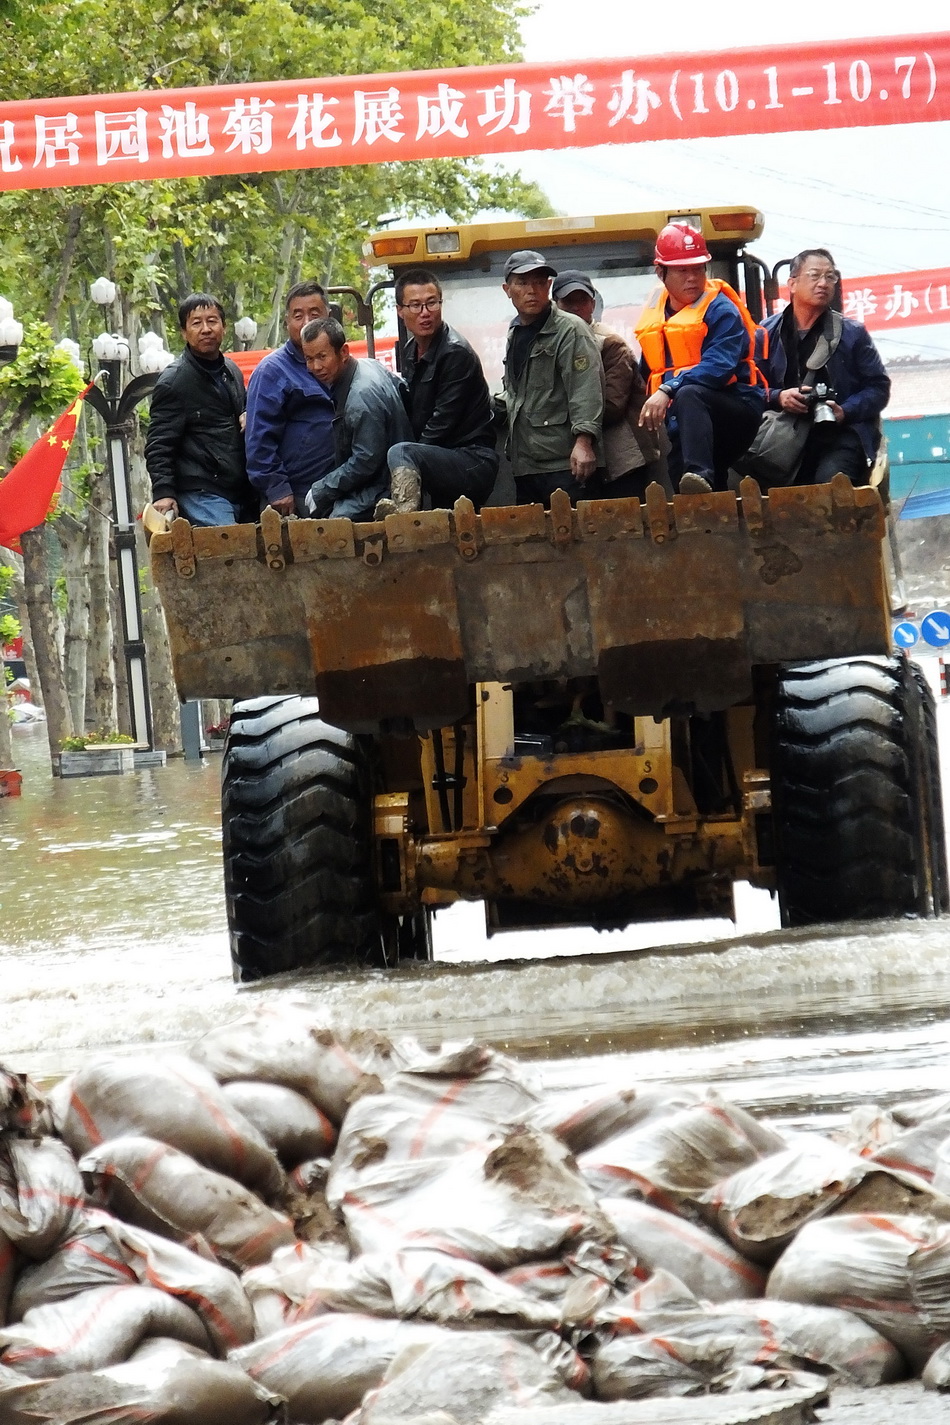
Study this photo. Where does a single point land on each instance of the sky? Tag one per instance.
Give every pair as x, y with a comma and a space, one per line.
879, 198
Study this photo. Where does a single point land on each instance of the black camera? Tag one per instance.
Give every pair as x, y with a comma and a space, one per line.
818, 398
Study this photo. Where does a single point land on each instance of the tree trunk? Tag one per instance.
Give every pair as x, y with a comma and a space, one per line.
6, 734
100, 669
166, 708
67, 258
182, 278
43, 626
123, 709
73, 537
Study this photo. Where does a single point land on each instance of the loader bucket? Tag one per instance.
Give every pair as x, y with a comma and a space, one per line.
669, 604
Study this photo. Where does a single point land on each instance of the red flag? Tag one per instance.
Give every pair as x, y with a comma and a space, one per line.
27, 492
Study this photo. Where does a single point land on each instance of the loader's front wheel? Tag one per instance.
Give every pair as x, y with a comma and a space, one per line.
856, 793
296, 801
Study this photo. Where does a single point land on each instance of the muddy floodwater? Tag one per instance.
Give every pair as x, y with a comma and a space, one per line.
113, 937
113, 923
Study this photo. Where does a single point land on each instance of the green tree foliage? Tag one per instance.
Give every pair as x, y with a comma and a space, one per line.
244, 237
38, 385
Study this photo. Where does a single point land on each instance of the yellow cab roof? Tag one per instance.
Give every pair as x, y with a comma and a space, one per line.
728, 225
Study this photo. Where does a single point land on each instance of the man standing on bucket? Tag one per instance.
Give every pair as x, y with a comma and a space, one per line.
698, 344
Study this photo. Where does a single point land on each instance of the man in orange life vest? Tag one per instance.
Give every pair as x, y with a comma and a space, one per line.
698, 342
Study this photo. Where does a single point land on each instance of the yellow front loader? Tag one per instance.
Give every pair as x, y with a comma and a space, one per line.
586, 716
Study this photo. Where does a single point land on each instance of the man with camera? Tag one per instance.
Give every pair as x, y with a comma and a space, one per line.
846, 394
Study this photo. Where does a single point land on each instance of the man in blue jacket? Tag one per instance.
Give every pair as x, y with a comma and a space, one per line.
370, 417
289, 434
859, 385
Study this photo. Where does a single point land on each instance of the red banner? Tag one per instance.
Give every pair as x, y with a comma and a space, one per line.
900, 299
446, 113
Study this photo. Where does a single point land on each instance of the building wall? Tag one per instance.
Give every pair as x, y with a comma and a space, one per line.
919, 451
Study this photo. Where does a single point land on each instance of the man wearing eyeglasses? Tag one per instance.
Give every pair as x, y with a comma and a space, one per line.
858, 385
453, 448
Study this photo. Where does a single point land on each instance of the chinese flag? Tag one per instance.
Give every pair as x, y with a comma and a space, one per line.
27, 492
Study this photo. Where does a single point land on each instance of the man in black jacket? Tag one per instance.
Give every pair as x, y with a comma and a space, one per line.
453, 451
194, 450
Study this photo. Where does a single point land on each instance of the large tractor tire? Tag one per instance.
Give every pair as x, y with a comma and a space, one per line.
933, 794
298, 875
856, 793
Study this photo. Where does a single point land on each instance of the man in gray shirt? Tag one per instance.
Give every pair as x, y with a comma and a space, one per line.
370, 417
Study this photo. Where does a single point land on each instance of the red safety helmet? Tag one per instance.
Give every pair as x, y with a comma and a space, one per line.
679, 245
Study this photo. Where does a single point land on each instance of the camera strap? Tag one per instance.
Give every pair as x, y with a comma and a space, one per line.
826, 345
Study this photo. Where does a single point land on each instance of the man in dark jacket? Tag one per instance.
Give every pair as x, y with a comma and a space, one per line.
859, 385
194, 449
452, 451
369, 419
289, 413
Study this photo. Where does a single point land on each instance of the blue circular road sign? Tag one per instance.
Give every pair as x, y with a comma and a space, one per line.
906, 635
935, 629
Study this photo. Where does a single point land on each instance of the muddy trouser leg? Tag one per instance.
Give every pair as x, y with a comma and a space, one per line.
448, 474
830, 449
712, 429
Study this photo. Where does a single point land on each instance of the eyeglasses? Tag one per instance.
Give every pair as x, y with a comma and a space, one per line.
433, 305
815, 277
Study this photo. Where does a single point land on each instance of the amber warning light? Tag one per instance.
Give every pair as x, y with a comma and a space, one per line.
392, 247
734, 222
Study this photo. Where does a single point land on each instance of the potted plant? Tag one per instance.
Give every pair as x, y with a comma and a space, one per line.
215, 734
95, 754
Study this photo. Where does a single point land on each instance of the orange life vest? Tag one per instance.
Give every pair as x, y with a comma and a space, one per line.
672, 345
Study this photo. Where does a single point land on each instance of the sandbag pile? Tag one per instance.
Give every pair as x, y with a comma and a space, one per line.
289, 1225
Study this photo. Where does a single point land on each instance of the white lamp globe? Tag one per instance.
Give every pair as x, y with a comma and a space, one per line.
102, 291
6, 309
105, 347
11, 332
245, 329
71, 349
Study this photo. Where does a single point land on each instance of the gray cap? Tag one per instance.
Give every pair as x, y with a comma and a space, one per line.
527, 261
572, 280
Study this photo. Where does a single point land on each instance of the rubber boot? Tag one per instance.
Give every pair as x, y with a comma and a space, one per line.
405, 494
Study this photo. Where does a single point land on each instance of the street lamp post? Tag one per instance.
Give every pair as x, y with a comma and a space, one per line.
116, 403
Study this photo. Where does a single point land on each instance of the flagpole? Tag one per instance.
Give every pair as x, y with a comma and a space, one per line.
117, 409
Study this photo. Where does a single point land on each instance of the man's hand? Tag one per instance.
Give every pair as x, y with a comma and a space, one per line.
318, 501
283, 506
792, 400
583, 459
168, 507
653, 413
839, 413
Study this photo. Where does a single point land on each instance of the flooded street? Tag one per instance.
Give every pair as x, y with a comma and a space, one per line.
114, 929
